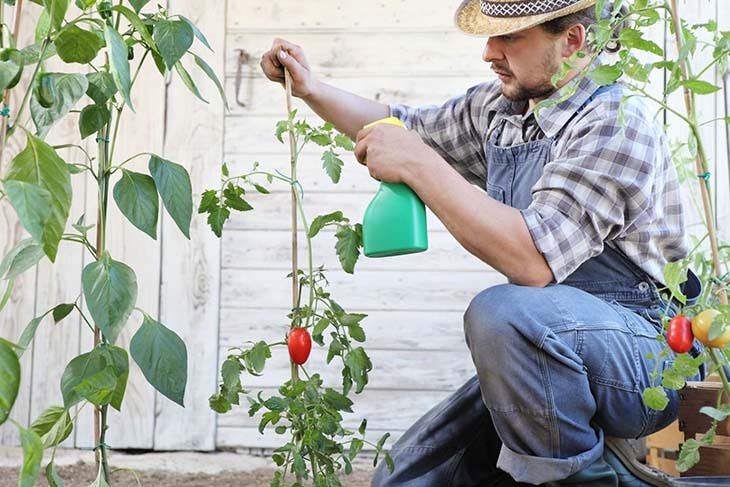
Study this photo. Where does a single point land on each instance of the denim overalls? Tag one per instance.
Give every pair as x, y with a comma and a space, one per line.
557, 367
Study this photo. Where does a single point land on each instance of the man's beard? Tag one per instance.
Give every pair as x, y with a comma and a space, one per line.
518, 92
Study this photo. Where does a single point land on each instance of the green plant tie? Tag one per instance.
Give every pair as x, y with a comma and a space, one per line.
5, 111
293, 183
102, 139
95, 448
705, 176
720, 280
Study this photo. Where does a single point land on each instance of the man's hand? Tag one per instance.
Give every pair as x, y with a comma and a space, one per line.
390, 153
285, 54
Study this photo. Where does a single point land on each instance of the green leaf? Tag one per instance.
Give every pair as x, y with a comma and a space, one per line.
118, 359
675, 274
689, 455
43, 26
9, 379
137, 23
633, 38
332, 165
39, 164
261, 189
99, 388
671, 379
75, 45
217, 218
136, 197
655, 398
344, 142
319, 222
163, 358
32, 457
188, 81
363, 427
173, 38
355, 447
359, 364
211, 74
32, 204
92, 119
110, 288
349, 241
53, 426
100, 479
101, 87
138, 4
9, 70
78, 369
62, 311
26, 254
118, 62
54, 480
57, 10
69, 90
84, 4
28, 333
231, 374
219, 403
196, 31
31, 54
233, 198
700, 87
337, 401
173, 184
606, 74
357, 333
258, 355
717, 414
322, 139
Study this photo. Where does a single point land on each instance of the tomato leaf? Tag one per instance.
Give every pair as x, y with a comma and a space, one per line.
689, 455
332, 164
655, 398
322, 220
349, 242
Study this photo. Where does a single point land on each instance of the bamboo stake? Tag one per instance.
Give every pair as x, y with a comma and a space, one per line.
6, 95
700, 160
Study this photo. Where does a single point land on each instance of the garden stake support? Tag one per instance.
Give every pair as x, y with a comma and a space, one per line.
700, 158
6, 95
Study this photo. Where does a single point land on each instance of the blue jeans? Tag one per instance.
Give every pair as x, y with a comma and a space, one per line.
557, 369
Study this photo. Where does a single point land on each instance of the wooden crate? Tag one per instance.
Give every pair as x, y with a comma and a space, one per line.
714, 460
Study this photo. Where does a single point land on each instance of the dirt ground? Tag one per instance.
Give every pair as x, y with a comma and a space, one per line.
166, 470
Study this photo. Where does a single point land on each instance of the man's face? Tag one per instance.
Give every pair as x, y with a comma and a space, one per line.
525, 63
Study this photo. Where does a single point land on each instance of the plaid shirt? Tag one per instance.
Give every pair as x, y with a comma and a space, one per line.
607, 180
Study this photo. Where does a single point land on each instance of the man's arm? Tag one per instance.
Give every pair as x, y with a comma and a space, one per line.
347, 111
495, 233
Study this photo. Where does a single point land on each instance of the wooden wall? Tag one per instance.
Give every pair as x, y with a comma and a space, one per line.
220, 293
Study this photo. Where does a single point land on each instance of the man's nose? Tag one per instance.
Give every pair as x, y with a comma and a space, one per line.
492, 52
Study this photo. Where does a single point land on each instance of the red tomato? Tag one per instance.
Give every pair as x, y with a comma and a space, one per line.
300, 344
679, 334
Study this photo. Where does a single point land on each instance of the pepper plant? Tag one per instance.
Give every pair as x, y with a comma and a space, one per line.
638, 62
103, 47
306, 410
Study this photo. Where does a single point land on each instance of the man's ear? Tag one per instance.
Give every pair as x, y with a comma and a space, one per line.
574, 39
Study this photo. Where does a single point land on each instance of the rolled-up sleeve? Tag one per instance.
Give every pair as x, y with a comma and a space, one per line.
457, 129
598, 188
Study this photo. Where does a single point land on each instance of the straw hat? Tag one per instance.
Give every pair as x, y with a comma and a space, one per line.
500, 17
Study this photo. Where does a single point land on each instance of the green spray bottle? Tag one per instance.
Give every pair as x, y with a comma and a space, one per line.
395, 221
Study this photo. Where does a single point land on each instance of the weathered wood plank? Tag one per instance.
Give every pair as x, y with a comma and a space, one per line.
276, 16
262, 97
271, 211
723, 144
190, 269
241, 250
403, 409
386, 330
20, 309
367, 290
344, 53
233, 437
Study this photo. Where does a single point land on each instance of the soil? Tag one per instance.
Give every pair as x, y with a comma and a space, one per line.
81, 475
182, 469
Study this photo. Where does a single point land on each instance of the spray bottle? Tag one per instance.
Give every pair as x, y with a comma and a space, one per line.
395, 221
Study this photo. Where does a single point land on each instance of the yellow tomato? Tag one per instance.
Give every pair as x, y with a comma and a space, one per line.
701, 329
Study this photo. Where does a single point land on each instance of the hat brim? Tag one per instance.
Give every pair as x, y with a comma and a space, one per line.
470, 19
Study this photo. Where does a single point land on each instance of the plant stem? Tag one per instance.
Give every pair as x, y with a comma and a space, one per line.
718, 361
102, 446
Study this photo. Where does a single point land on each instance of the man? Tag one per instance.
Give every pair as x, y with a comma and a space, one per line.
580, 213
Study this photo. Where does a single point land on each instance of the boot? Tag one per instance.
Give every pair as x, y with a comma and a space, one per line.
597, 474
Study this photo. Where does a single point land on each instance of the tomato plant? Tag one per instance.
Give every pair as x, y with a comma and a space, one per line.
306, 409
95, 87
